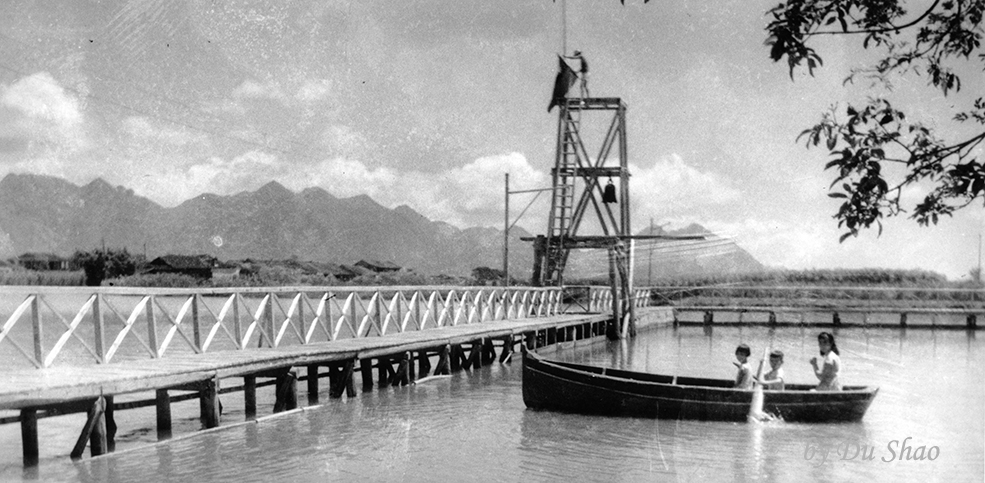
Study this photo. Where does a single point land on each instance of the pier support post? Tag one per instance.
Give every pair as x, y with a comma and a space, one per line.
208, 398
444, 361
163, 414
456, 357
94, 431
507, 352
29, 436
110, 425
488, 351
366, 369
411, 370
474, 360
250, 397
340, 379
402, 376
350, 379
383, 370
312, 384
287, 392
423, 364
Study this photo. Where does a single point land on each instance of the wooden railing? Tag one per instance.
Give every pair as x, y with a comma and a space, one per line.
599, 299
77, 325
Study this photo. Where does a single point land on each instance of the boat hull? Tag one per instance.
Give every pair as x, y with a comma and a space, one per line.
575, 388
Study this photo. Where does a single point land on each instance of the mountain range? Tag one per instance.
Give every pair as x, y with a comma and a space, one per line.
51, 215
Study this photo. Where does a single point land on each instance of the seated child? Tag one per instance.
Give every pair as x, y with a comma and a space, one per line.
773, 380
743, 379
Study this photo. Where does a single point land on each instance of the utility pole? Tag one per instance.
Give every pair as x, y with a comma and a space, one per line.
506, 235
649, 263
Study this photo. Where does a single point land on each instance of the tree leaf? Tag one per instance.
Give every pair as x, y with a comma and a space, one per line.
837, 195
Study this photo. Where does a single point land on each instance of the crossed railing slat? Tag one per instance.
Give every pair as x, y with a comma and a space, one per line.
210, 320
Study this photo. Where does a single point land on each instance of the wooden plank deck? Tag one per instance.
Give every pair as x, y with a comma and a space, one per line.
31, 388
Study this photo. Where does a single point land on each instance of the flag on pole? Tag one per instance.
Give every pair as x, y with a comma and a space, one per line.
564, 80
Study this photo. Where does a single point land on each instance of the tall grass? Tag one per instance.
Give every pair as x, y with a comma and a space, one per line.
822, 277
42, 277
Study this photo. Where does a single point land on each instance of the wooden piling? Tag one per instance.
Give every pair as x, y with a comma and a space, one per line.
383, 370
312, 384
163, 414
423, 364
94, 431
208, 398
29, 437
366, 369
110, 416
488, 351
287, 391
504, 356
402, 376
250, 397
350, 384
456, 357
340, 379
444, 361
411, 370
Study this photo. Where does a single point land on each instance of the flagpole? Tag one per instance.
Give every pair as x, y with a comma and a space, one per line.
564, 28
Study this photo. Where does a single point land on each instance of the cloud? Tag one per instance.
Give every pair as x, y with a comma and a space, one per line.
672, 187
471, 195
251, 89
39, 96
142, 128
48, 113
314, 90
345, 141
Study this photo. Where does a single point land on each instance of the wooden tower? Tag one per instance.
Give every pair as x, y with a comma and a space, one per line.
579, 184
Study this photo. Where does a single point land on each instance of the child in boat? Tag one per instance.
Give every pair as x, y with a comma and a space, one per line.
743, 379
773, 380
827, 374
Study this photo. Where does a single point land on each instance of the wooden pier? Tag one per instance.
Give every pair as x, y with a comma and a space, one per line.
871, 317
398, 359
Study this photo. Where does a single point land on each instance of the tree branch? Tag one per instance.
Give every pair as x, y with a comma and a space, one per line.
882, 30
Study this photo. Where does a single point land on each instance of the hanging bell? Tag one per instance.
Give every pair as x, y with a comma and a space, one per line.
609, 193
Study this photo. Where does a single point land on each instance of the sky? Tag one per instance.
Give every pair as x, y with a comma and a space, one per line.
428, 103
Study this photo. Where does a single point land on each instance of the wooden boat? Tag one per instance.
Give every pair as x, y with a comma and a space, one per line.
577, 388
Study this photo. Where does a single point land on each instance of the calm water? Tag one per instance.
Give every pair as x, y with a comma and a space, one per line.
474, 426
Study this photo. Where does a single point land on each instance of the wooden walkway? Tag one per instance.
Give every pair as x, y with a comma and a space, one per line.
91, 388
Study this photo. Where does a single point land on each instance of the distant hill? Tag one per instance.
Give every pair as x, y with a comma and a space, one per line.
48, 214
708, 255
